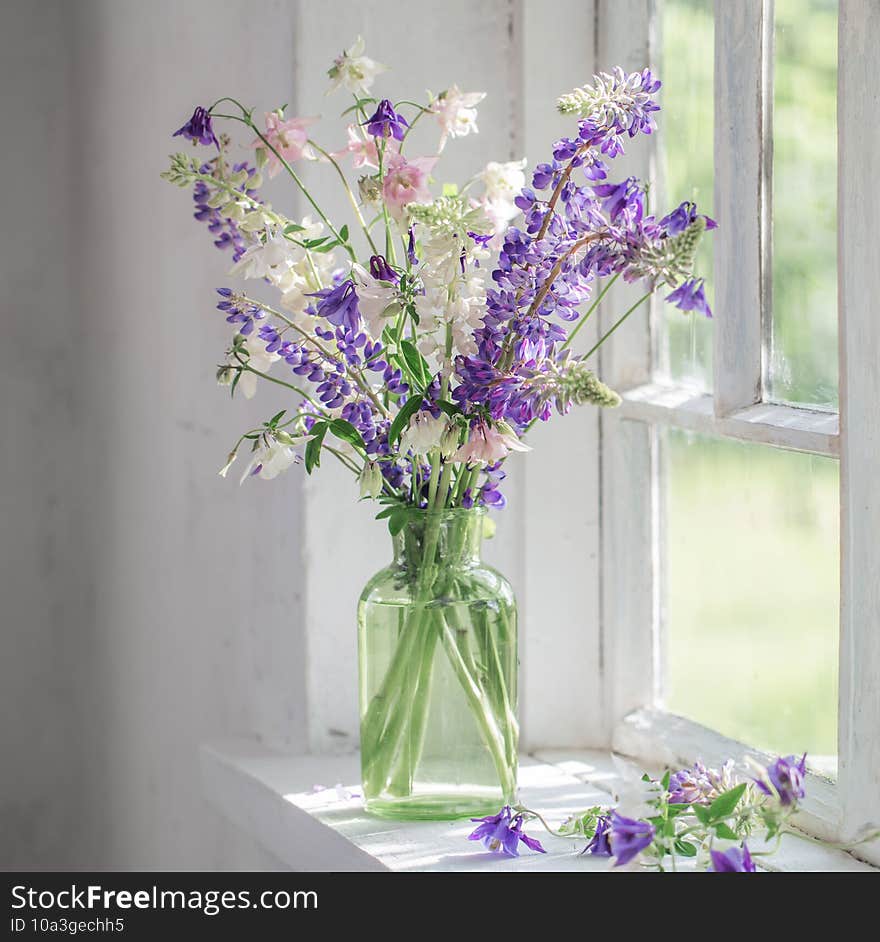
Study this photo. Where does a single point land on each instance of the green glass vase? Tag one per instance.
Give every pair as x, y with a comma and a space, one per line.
438, 675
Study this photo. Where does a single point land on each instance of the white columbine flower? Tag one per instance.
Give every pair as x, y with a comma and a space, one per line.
376, 299
260, 360
423, 434
353, 70
634, 795
265, 259
272, 457
456, 112
370, 480
502, 181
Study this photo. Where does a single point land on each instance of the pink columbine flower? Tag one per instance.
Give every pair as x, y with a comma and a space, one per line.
488, 444
406, 181
289, 137
364, 153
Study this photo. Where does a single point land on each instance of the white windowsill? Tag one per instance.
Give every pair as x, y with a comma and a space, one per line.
273, 798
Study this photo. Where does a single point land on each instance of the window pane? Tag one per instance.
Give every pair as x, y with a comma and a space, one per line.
752, 592
686, 170
803, 360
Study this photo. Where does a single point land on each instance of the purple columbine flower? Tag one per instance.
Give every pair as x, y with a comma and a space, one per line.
599, 843
339, 305
787, 779
386, 122
690, 295
628, 837
681, 217
382, 271
501, 833
735, 860
199, 129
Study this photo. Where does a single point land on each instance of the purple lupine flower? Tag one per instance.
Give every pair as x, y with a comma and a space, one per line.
386, 122
501, 833
339, 305
199, 129
226, 230
786, 779
699, 785
628, 837
599, 844
623, 201
734, 860
690, 295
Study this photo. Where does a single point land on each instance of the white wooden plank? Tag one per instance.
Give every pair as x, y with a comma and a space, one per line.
251, 785
743, 31
630, 509
784, 426
275, 798
859, 288
559, 606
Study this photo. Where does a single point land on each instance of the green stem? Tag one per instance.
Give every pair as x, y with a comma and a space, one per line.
389, 241
481, 711
617, 324
293, 174
584, 318
351, 196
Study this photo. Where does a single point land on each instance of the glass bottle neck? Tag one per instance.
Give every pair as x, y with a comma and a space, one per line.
450, 538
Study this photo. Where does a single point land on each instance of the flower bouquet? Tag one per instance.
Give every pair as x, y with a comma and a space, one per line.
420, 342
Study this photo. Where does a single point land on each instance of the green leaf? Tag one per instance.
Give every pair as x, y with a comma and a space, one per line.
274, 420
389, 336
416, 363
702, 813
348, 433
343, 233
452, 409
292, 227
313, 448
685, 848
315, 243
664, 782
725, 831
401, 420
725, 803
397, 520
387, 512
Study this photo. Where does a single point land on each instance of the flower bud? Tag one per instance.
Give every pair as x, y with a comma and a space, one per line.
225, 375
233, 210
371, 480
253, 222
449, 440
370, 189
230, 459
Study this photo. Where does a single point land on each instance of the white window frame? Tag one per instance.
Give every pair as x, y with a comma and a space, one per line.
631, 505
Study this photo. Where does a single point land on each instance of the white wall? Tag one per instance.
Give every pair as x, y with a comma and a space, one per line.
147, 604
